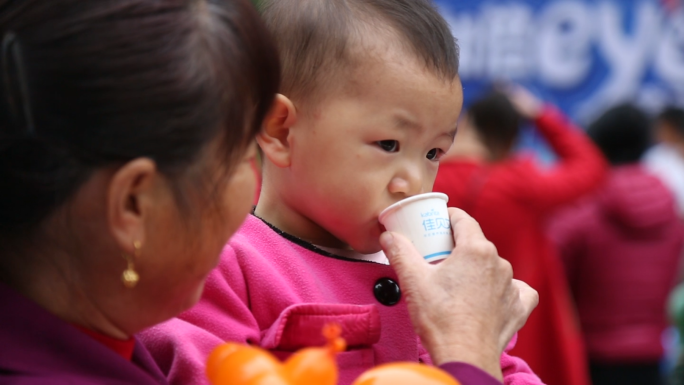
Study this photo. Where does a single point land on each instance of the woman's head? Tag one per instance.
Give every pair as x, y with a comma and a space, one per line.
128, 121
496, 123
622, 133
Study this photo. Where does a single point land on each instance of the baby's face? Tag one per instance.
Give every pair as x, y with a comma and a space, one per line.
361, 150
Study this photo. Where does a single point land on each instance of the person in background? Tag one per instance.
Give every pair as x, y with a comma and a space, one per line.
666, 158
621, 247
675, 311
666, 161
126, 144
511, 198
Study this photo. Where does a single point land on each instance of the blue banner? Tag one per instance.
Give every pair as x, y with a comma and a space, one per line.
584, 56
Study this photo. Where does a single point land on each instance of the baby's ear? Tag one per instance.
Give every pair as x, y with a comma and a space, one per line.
273, 138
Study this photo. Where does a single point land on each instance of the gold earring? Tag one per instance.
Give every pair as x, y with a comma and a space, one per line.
130, 277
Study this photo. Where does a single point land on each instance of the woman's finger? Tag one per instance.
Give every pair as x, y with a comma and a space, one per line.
403, 256
463, 225
528, 297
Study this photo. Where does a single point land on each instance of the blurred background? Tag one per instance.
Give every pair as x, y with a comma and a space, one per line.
583, 56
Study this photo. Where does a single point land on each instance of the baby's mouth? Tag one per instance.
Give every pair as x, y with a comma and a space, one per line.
381, 227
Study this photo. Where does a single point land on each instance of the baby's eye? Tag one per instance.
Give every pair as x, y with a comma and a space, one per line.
434, 154
388, 145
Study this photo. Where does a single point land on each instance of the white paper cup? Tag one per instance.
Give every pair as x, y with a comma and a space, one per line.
424, 220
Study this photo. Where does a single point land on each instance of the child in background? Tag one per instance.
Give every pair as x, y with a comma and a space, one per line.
621, 247
370, 102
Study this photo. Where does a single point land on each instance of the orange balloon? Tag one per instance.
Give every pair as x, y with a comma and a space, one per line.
236, 364
405, 373
317, 365
312, 366
217, 356
245, 365
268, 379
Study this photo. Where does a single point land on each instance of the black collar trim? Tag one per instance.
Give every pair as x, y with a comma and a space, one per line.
310, 246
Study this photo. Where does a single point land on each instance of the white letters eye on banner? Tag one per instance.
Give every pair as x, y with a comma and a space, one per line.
595, 53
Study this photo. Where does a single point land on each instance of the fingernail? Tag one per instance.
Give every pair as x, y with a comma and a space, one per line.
387, 241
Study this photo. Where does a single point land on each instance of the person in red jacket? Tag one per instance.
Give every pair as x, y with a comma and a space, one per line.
621, 247
511, 197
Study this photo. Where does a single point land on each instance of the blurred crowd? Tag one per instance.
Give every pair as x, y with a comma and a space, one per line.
598, 232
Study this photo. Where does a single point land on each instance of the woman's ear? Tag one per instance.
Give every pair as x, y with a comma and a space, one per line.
275, 133
130, 196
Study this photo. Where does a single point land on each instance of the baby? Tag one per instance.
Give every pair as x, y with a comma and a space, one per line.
369, 103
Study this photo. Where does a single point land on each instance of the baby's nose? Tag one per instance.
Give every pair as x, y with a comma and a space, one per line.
406, 186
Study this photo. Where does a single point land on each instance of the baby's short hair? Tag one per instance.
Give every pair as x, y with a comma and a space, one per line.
314, 37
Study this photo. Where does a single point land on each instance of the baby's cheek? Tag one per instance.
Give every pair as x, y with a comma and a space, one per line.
430, 178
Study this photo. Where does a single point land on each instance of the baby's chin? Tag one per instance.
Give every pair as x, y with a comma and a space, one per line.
369, 246
366, 241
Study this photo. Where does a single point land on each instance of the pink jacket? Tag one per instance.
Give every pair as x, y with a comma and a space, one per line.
276, 291
621, 248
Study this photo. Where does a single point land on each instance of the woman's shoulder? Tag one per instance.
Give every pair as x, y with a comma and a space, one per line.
41, 348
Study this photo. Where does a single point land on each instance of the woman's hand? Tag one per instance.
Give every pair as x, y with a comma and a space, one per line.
468, 307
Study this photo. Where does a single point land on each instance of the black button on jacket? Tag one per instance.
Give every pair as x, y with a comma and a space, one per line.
387, 291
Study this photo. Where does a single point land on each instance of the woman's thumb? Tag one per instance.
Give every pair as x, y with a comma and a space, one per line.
402, 255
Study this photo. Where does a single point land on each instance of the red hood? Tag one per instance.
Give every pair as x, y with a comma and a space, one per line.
636, 200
